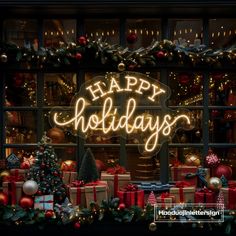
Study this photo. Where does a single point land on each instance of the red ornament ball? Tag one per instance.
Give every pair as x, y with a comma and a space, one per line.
82, 41
132, 38
3, 199
25, 165
49, 214
160, 54
100, 165
223, 170
26, 202
121, 206
56, 135
184, 79
77, 225
78, 56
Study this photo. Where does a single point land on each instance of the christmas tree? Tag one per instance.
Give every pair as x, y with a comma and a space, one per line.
151, 199
224, 181
88, 171
46, 172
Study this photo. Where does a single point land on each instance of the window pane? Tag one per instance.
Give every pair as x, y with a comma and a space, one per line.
146, 30
59, 89
105, 29
222, 32
21, 32
20, 126
143, 168
186, 89
222, 126
20, 89
58, 31
222, 89
185, 30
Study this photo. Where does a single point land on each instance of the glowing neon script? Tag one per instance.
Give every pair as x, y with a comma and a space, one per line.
109, 122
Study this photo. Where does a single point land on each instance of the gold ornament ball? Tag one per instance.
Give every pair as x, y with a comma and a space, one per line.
152, 226
214, 184
192, 160
4, 174
121, 66
3, 58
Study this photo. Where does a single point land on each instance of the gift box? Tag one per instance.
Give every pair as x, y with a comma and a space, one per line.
77, 193
230, 196
44, 202
12, 186
181, 173
166, 200
96, 192
116, 178
205, 196
131, 196
19, 172
183, 192
69, 176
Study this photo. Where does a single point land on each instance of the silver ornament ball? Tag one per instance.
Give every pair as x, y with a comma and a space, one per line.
3, 58
30, 187
152, 226
121, 66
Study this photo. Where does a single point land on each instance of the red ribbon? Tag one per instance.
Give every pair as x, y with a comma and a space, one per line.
130, 188
94, 184
77, 183
116, 170
13, 178
163, 196
204, 196
181, 185
116, 183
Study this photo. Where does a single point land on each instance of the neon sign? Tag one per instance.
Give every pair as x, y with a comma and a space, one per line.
119, 98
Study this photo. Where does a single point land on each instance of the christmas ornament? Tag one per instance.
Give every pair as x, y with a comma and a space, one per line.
152, 199
184, 79
78, 56
212, 160
25, 165
77, 225
152, 226
68, 165
4, 174
160, 54
224, 170
26, 202
82, 41
49, 213
56, 135
121, 206
3, 199
121, 66
192, 160
3, 57
214, 184
132, 38
30, 187
100, 165
13, 162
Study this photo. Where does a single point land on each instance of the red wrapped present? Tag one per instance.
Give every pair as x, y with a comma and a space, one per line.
131, 196
69, 176
116, 178
180, 173
96, 192
205, 195
166, 200
183, 192
77, 193
12, 186
230, 195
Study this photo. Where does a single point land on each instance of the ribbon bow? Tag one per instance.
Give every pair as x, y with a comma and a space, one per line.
201, 174
116, 170
131, 188
165, 195
182, 184
14, 178
77, 183
96, 183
